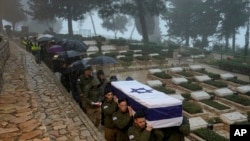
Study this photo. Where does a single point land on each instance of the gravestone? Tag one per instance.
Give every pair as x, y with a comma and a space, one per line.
202, 78
243, 89
196, 67
226, 76
223, 92
197, 123
200, 95
176, 69
233, 117
153, 54
120, 56
152, 71
136, 55
154, 83
179, 80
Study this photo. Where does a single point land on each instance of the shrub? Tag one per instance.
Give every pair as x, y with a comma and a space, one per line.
191, 107
216, 84
209, 135
191, 86
186, 74
165, 90
143, 58
238, 99
238, 81
212, 75
162, 75
215, 104
234, 67
159, 57
186, 96
214, 120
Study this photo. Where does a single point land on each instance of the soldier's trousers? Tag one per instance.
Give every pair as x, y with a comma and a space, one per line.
94, 115
110, 134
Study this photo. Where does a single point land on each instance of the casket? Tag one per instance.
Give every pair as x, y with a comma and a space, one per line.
161, 110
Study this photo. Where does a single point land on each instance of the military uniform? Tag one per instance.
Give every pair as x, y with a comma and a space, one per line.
91, 97
82, 82
108, 108
137, 134
122, 122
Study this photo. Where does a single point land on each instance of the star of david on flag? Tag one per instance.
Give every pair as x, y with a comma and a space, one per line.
141, 90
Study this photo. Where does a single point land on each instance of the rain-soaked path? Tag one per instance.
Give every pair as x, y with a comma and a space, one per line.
35, 107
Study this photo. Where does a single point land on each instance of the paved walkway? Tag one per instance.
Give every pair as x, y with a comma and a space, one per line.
35, 107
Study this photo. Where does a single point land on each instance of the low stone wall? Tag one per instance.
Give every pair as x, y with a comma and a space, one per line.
4, 54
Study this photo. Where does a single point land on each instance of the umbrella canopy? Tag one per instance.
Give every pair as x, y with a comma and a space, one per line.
44, 37
55, 49
77, 66
69, 54
102, 60
75, 45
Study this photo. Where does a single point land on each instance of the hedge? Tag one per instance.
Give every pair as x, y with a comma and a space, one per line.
162, 75
234, 67
143, 58
209, 135
191, 107
216, 84
212, 75
215, 104
159, 57
238, 81
165, 90
191, 86
186, 74
238, 99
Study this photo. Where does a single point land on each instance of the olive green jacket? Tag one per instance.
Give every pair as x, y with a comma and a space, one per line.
108, 108
82, 82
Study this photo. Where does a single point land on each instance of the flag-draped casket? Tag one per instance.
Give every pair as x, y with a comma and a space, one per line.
161, 110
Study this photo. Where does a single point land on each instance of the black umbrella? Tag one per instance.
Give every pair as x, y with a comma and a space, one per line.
69, 54
77, 66
75, 45
44, 39
102, 60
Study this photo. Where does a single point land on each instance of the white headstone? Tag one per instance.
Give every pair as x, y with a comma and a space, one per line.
196, 67
120, 56
223, 92
197, 123
136, 51
108, 48
226, 76
243, 89
233, 117
152, 71
90, 43
153, 54
177, 96
136, 55
154, 83
93, 49
202, 78
200, 95
176, 69
106, 52
179, 80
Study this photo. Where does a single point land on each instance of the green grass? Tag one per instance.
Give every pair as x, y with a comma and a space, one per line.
186, 74
187, 97
191, 86
216, 84
165, 90
212, 75
238, 99
215, 104
209, 135
238, 81
191, 107
162, 75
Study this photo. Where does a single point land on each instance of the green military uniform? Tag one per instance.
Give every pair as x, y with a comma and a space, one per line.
122, 122
92, 94
108, 108
82, 82
137, 134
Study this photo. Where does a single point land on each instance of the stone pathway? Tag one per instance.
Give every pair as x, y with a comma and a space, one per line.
34, 106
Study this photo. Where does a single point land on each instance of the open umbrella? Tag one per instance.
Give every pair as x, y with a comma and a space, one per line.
75, 45
44, 37
69, 54
102, 60
77, 66
55, 49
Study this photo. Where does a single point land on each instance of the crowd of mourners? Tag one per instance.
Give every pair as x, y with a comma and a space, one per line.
93, 93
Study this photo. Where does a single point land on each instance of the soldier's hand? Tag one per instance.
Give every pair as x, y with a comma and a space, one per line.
130, 110
115, 99
149, 127
81, 95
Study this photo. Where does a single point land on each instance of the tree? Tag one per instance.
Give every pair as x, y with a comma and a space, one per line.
1, 16
116, 23
180, 19
234, 15
136, 8
12, 11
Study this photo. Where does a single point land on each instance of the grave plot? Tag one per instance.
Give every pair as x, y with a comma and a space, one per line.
196, 68
216, 84
191, 86
197, 123
202, 78
200, 95
191, 109
164, 89
185, 74
222, 92
211, 75
227, 76
244, 90
233, 117
154, 83
235, 81
162, 76
176, 69
205, 134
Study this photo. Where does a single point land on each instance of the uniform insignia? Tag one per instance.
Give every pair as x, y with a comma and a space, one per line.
78, 80
131, 137
105, 107
114, 118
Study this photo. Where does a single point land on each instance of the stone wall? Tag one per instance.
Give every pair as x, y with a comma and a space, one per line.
4, 54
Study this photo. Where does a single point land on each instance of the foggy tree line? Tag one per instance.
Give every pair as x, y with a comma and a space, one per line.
186, 19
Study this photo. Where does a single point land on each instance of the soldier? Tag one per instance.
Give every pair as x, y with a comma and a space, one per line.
108, 108
142, 131
123, 119
92, 99
103, 81
82, 82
